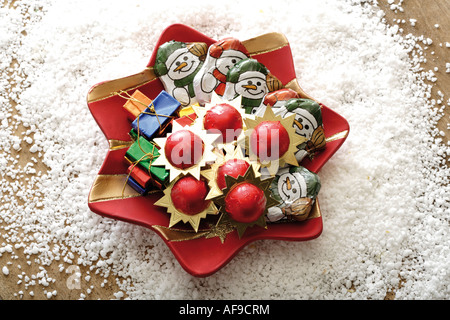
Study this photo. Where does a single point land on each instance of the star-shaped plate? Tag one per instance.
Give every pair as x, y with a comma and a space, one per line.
204, 252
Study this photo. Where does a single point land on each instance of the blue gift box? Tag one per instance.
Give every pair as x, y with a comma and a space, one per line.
136, 186
153, 121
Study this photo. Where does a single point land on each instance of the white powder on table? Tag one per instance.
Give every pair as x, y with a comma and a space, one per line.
385, 193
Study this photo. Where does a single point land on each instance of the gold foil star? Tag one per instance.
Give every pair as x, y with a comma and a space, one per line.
295, 139
230, 153
231, 182
177, 216
208, 155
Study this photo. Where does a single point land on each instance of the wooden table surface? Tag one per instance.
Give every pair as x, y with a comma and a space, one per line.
432, 22
427, 13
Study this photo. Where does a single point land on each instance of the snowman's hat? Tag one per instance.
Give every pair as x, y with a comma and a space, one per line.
308, 108
216, 50
245, 65
166, 49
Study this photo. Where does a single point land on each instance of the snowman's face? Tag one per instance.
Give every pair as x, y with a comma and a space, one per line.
304, 124
228, 59
252, 85
291, 186
181, 63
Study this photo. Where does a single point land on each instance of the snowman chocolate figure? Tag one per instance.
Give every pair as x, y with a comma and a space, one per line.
221, 57
176, 65
307, 123
248, 78
296, 189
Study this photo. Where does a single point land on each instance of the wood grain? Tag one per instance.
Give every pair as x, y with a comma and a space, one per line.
432, 22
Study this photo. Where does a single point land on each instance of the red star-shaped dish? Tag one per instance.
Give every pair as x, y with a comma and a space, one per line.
204, 252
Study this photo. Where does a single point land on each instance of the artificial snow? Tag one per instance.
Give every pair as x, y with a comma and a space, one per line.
5, 270
384, 196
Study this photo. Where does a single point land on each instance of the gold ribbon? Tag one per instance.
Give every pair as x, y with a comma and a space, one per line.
107, 187
172, 234
338, 136
106, 89
119, 144
265, 43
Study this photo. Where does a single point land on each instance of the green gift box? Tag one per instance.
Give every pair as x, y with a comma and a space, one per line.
143, 153
133, 134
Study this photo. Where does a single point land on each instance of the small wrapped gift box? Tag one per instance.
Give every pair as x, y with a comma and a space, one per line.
136, 104
157, 116
133, 134
139, 175
186, 115
187, 110
187, 119
142, 153
136, 186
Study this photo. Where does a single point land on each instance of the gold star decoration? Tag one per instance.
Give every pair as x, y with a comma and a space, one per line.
295, 139
221, 230
231, 182
177, 216
208, 155
230, 152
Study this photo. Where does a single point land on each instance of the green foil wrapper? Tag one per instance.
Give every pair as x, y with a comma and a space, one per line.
296, 188
143, 153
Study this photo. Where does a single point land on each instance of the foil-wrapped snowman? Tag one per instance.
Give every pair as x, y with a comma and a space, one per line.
177, 64
296, 189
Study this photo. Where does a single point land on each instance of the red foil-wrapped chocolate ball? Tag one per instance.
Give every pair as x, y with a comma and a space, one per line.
232, 167
225, 119
269, 140
245, 202
184, 149
188, 195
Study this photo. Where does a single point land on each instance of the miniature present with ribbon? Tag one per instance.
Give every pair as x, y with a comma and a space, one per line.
296, 188
187, 115
143, 153
141, 176
157, 116
186, 120
136, 104
133, 134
